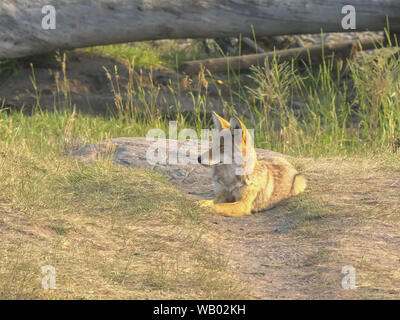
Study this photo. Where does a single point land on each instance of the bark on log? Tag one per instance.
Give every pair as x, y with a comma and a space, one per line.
81, 23
316, 52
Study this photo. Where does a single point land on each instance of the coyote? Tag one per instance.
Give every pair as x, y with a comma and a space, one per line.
266, 183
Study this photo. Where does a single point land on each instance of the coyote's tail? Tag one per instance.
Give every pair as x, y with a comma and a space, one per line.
299, 184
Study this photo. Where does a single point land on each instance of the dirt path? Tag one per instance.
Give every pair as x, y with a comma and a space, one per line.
258, 248
276, 264
349, 216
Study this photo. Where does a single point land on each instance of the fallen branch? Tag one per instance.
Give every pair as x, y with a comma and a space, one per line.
251, 44
316, 52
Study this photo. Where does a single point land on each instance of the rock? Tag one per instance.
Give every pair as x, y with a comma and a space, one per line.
192, 179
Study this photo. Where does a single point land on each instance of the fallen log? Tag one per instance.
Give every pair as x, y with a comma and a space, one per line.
315, 53
99, 22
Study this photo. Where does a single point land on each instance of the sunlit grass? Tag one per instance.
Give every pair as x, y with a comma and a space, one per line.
165, 53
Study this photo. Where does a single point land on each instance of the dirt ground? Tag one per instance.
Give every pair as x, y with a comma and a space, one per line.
88, 87
348, 216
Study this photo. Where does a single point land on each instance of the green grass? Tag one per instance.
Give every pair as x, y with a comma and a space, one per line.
335, 119
144, 57
166, 53
335, 108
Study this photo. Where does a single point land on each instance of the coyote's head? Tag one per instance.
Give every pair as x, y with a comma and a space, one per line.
232, 146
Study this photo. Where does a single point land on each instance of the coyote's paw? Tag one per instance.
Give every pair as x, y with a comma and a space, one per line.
205, 203
229, 210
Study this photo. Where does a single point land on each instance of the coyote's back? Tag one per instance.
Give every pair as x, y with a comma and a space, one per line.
274, 179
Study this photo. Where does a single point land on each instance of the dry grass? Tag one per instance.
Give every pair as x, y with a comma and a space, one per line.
115, 232
351, 215
111, 233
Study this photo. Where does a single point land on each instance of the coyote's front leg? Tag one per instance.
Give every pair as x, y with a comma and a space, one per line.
233, 209
221, 197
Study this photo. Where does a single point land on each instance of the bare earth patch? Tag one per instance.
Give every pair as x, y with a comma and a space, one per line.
349, 215
88, 87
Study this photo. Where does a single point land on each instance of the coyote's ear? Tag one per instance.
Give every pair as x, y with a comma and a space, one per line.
219, 122
236, 124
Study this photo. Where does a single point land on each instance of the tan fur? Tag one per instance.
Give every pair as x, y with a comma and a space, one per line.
270, 181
